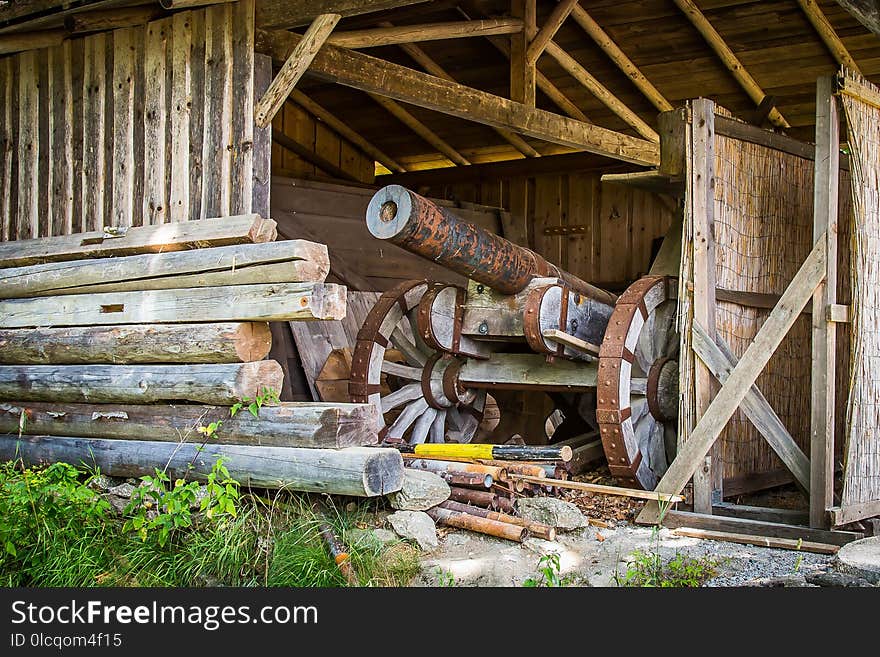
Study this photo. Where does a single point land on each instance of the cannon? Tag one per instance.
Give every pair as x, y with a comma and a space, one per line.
551, 349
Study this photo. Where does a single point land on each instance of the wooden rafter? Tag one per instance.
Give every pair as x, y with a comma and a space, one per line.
396, 34
549, 29
426, 62
360, 71
600, 91
344, 131
397, 111
730, 60
286, 14
293, 68
606, 43
828, 35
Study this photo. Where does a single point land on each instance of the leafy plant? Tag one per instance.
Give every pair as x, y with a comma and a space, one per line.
648, 569
264, 397
549, 567
444, 578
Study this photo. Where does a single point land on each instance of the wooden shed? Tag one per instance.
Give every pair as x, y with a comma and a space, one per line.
728, 145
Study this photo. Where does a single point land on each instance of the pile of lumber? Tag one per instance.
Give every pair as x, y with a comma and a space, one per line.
118, 348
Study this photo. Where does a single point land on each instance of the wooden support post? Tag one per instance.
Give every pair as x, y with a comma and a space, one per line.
824, 332
522, 74
293, 68
390, 34
549, 29
708, 475
828, 35
730, 60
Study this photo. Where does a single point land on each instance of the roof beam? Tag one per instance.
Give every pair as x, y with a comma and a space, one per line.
377, 76
522, 72
423, 131
549, 29
424, 60
396, 34
624, 63
285, 14
17, 42
828, 35
730, 61
867, 12
293, 68
342, 129
582, 75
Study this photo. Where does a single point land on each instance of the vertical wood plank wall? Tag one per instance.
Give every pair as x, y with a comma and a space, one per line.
620, 224
141, 125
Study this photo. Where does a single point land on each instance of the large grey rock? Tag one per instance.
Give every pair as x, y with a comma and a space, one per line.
421, 490
122, 490
836, 579
101, 483
415, 525
371, 537
552, 511
861, 558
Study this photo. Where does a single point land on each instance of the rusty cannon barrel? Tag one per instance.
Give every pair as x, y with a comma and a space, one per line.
421, 227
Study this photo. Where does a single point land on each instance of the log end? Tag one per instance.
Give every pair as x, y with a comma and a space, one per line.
253, 377
328, 301
383, 471
263, 230
314, 267
253, 340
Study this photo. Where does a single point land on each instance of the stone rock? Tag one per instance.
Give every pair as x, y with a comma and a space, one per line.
201, 493
101, 483
118, 503
786, 581
421, 490
836, 579
122, 490
861, 558
415, 525
552, 511
371, 537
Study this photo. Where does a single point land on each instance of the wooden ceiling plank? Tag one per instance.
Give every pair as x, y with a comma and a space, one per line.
728, 58
549, 29
600, 91
828, 35
370, 74
341, 128
286, 14
399, 34
293, 68
610, 48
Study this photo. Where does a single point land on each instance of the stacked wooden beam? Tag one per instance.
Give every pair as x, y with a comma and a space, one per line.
110, 339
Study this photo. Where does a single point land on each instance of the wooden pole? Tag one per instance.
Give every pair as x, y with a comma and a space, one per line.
479, 524
522, 73
481, 498
293, 69
537, 529
288, 424
221, 342
390, 35
207, 384
357, 471
824, 349
112, 242
549, 29
420, 463
828, 35
598, 488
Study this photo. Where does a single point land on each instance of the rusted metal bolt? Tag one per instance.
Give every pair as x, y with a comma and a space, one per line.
483, 328
388, 211
480, 288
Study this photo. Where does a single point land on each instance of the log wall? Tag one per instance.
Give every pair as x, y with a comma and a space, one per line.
136, 126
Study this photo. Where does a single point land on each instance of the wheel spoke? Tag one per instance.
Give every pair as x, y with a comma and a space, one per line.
406, 394
663, 327
638, 386
422, 425
455, 418
437, 434
404, 371
407, 348
638, 407
412, 318
656, 449
406, 418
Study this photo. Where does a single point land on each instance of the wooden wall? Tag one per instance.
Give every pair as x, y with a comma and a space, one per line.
616, 226
297, 124
136, 126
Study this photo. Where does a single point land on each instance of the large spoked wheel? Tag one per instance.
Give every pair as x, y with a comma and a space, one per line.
422, 401
637, 385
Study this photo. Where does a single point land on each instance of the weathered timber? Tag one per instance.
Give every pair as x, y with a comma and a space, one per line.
178, 236
111, 19
358, 471
866, 11
762, 541
764, 514
294, 13
261, 302
829, 36
10, 43
481, 498
536, 529
207, 384
222, 342
465, 479
478, 524
585, 450
598, 488
377, 76
288, 424
527, 371
289, 261
549, 29
384, 36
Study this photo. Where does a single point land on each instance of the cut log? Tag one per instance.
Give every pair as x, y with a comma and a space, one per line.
290, 261
499, 474
263, 302
224, 342
478, 524
526, 372
208, 384
288, 424
585, 450
481, 498
241, 229
358, 471
537, 529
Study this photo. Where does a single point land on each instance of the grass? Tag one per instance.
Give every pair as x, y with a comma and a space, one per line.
55, 531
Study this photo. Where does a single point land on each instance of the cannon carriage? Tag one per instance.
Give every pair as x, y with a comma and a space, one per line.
538, 339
